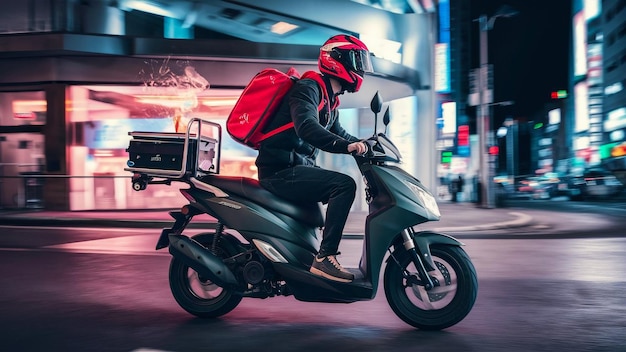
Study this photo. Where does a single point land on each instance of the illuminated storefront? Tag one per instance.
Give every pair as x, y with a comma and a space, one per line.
22, 117
97, 122
99, 119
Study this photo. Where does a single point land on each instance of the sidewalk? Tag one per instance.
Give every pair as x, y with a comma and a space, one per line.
455, 217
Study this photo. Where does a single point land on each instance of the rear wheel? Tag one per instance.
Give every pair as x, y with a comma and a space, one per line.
444, 305
197, 295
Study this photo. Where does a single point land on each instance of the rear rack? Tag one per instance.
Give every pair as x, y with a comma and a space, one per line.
174, 156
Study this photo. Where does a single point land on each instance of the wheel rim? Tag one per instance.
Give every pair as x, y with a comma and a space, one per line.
195, 293
202, 289
440, 296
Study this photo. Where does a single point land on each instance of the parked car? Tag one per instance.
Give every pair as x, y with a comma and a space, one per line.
545, 186
552, 184
594, 183
532, 187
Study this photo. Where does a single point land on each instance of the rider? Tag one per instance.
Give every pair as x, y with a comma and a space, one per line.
286, 161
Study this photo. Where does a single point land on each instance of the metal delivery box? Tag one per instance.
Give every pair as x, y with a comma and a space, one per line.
172, 155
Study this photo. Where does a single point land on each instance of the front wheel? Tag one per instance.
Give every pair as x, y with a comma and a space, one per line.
444, 305
197, 295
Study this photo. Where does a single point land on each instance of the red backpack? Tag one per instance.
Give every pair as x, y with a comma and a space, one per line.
260, 100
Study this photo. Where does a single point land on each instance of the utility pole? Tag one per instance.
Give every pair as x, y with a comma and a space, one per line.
485, 90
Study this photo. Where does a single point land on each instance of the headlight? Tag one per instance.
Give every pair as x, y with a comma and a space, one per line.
425, 198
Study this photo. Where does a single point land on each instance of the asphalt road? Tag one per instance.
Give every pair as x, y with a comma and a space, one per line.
90, 289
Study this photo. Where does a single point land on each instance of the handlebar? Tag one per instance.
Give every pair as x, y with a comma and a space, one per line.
368, 149
379, 149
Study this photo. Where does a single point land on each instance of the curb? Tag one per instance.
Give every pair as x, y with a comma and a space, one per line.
148, 224
521, 221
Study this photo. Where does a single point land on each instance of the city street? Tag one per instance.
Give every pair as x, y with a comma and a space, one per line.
124, 123
96, 289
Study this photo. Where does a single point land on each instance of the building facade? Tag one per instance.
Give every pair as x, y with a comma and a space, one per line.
77, 76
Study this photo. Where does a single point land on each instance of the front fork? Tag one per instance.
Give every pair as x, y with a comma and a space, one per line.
426, 280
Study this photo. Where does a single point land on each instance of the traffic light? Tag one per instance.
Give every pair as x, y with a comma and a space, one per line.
559, 94
494, 150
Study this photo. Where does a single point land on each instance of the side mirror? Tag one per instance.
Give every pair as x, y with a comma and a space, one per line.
377, 103
386, 117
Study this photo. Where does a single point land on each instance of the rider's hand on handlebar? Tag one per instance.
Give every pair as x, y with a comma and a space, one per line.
358, 148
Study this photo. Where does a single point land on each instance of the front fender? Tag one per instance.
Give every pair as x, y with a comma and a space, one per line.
424, 239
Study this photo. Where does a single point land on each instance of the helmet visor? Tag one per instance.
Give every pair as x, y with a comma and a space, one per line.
360, 61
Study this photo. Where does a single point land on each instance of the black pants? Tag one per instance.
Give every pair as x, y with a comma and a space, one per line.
313, 184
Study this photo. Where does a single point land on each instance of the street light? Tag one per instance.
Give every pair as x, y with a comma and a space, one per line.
486, 98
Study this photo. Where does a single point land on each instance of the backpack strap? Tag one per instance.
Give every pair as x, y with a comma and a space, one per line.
278, 130
325, 98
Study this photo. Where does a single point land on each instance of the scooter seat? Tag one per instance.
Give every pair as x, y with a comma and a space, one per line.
309, 213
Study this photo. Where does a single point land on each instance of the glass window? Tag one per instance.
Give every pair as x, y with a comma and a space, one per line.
99, 120
23, 108
22, 115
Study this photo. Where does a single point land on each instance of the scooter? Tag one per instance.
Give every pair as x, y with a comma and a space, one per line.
429, 280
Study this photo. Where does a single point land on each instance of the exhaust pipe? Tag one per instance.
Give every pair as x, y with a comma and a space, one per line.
200, 259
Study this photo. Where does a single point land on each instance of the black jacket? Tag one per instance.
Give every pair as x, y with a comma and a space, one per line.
312, 130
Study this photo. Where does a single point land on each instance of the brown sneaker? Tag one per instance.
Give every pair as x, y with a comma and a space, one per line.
330, 268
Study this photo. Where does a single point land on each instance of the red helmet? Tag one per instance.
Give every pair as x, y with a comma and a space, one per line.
347, 59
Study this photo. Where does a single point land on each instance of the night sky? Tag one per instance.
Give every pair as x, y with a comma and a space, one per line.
530, 52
